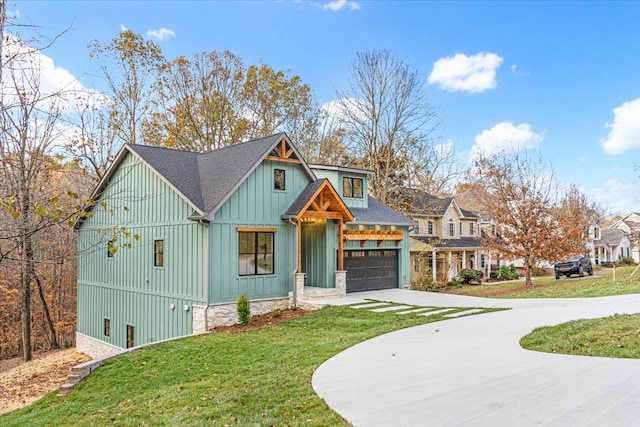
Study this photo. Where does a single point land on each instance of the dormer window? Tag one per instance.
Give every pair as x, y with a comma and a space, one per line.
596, 233
452, 228
352, 187
472, 229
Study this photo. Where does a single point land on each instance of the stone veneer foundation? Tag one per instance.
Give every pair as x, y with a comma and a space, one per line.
95, 348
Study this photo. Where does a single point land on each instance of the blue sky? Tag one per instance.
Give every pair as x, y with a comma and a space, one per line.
560, 77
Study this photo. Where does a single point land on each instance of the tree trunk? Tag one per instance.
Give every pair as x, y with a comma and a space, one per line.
27, 268
47, 315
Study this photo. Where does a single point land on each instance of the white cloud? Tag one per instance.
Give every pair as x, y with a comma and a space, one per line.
31, 67
462, 73
617, 197
625, 129
161, 33
341, 4
123, 28
516, 71
335, 112
506, 136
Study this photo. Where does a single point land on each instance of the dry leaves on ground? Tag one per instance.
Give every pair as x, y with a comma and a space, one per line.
24, 383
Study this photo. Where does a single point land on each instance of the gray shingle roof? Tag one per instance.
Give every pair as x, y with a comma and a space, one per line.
379, 213
302, 199
611, 237
427, 204
208, 179
464, 242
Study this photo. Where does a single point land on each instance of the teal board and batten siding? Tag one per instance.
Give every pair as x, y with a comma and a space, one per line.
402, 248
255, 204
127, 288
335, 178
319, 253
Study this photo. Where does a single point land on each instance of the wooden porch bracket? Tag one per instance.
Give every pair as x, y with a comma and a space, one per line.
378, 235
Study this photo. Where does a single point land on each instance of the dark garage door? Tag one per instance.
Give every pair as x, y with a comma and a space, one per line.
371, 270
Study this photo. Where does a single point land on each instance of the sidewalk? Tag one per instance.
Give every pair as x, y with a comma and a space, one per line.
471, 371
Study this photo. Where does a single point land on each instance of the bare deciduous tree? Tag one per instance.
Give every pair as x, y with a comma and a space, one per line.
389, 124
130, 65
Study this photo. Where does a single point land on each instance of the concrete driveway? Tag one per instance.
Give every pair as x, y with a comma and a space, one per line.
471, 371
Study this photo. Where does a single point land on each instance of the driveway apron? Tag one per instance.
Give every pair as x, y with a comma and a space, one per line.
471, 371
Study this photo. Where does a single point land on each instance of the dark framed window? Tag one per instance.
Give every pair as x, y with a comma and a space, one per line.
255, 253
110, 250
130, 340
352, 187
430, 227
472, 229
158, 253
107, 327
278, 179
452, 228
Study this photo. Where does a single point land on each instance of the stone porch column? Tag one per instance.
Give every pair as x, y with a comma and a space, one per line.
341, 283
299, 284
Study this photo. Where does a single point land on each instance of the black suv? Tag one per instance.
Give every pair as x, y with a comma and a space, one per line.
577, 265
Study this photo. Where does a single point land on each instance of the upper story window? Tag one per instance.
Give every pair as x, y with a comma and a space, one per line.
596, 233
158, 253
278, 179
352, 187
416, 229
430, 227
255, 253
452, 228
493, 230
472, 229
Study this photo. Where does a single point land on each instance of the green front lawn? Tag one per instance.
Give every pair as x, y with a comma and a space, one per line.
256, 378
602, 283
615, 336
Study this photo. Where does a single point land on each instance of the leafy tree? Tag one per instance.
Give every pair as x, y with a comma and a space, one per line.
389, 123
213, 101
201, 103
536, 222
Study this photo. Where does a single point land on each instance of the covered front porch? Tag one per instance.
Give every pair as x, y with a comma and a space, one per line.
319, 216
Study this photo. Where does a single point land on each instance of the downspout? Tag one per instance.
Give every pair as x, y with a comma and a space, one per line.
295, 269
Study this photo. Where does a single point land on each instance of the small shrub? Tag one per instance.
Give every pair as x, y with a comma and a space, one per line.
468, 275
276, 314
627, 261
244, 309
424, 283
454, 282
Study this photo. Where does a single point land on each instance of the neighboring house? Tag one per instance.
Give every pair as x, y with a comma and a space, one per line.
446, 239
630, 224
253, 217
608, 245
